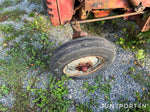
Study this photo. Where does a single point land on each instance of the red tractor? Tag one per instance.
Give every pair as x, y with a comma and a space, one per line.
82, 57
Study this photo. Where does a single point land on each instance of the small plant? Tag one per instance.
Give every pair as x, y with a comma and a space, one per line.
143, 80
10, 32
40, 24
140, 55
90, 89
87, 107
52, 98
4, 90
5, 4
14, 70
106, 88
31, 14
35, 1
121, 41
3, 109
83, 108
14, 14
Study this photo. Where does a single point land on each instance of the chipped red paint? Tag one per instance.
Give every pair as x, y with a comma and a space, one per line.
146, 24
146, 3
60, 11
66, 8
84, 66
53, 12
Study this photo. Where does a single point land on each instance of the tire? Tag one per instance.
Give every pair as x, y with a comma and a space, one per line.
81, 57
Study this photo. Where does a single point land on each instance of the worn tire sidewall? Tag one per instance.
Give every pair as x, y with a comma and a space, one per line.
65, 59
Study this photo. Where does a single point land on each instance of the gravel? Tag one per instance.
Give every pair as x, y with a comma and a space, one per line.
123, 85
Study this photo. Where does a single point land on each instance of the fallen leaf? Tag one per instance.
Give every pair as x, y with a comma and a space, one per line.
135, 62
4, 44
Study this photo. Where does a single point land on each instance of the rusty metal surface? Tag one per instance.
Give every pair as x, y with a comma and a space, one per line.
66, 8
101, 13
53, 12
146, 3
84, 66
135, 2
60, 11
146, 24
110, 17
105, 4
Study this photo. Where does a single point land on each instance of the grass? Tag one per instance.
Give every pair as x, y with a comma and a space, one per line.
33, 51
40, 24
5, 4
8, 3
12, 15
52, 98
33, 45
139, 77
35, 1
10, 32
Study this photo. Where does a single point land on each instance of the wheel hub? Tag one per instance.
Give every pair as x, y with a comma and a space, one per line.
84, 66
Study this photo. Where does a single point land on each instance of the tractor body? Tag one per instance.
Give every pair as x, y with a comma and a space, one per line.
62, 11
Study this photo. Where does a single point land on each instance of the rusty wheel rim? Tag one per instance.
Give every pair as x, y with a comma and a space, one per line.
84, 66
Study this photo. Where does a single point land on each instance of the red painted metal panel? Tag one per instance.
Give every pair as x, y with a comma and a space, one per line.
146, 3
66, 8
52, 9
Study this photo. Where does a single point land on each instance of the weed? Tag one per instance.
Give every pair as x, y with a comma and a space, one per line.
39, 54
5, 4
140, 55
90, 89
31, 14
35, 1
40, 24
87, 107
17, 1
103, 87
3, 108
106, 88
33, 45
52, 98
133, 39
10, 32
139, 77
13, 15
4, 90
14, 69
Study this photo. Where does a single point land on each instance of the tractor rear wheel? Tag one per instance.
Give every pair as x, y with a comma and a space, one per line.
81, 57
